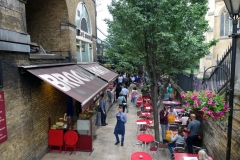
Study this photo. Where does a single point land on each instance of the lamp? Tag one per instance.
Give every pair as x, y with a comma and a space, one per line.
233, 7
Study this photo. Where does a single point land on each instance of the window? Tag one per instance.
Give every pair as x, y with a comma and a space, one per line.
226, 24
82, 19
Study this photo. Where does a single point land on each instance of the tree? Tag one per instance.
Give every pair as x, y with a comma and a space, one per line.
164, 36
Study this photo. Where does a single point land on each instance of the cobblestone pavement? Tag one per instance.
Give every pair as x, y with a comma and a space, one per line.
104, 148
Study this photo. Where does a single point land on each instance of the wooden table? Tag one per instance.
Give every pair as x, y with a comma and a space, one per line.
137, 156
180, 156
145, 138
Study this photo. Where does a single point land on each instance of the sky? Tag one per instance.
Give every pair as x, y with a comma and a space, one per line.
102, 13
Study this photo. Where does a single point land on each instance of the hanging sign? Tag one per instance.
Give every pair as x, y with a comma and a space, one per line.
3, 124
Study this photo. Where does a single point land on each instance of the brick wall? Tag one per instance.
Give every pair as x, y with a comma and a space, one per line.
43, 24
12, 15
29, 102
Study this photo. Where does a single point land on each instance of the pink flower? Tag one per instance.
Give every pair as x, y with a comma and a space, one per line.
194, 105
226, 106
204, 109
210, 102
214, 95
221, 114
210, 112
187, 104
183, 95
213, 103
199, 103
208, 95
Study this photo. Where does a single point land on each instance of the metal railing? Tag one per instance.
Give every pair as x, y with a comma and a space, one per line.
217, 79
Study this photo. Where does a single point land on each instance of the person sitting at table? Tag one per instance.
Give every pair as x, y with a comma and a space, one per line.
178, 138
203, 155
164, 122
192, 129
172, 111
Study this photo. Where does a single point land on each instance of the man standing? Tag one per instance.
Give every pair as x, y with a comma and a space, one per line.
192, 129
103, 111
125, 92
120, 126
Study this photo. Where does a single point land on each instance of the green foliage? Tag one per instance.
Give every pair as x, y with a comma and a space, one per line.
164, 36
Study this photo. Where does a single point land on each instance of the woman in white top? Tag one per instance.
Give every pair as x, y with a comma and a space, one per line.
203, 155
134, 96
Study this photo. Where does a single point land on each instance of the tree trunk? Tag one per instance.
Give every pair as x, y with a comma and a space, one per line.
154, 97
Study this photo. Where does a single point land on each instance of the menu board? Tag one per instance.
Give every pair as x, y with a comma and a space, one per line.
3, 124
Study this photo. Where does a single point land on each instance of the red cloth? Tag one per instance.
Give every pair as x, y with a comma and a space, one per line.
145, 156
145, 138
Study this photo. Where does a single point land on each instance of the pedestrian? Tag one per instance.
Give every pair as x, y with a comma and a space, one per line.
121, 101
103, 111
125, 92
164, 122
178, 138
192, 129
118, 90
134, 96
132, 78
126, 81
172, 111
120, 80
132, 85
120, 126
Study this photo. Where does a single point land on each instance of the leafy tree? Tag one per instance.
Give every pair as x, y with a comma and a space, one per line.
163, 36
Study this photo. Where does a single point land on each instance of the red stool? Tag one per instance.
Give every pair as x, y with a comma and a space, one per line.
70, 139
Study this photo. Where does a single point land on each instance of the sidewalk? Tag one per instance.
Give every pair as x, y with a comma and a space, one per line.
104, 148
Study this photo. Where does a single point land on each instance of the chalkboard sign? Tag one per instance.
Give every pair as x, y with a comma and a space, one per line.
3, 124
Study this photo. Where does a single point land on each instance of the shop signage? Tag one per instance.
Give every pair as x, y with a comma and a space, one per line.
67, 80
3, 124
84, 35
98, 70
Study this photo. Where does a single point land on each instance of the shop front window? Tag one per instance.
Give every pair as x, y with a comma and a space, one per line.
84, 33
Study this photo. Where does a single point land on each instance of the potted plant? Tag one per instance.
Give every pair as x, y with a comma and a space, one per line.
210, 105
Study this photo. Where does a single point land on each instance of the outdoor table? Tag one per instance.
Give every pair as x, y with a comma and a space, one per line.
178, 120
137, 156
146, 114
144, 122
180, 156
148, 108
179, 109
171, 102
146, 138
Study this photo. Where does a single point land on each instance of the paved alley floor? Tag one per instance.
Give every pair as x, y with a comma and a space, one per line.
104, 148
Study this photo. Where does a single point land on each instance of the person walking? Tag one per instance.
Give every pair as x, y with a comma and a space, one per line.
118, 90
125, 92
103, 111
192, 129
120, 126
134, 96
120, 80
121, 100
164, 122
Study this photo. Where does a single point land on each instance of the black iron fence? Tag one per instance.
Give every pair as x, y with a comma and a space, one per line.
216, 77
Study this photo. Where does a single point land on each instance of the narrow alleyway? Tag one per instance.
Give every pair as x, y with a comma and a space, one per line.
104, 148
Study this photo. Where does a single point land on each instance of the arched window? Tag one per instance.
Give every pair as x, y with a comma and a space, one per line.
225, 24
82, 19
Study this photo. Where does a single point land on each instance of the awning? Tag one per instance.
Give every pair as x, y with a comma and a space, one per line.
73, 81
99, 71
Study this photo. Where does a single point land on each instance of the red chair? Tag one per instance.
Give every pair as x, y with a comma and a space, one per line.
70, 139
55, 139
